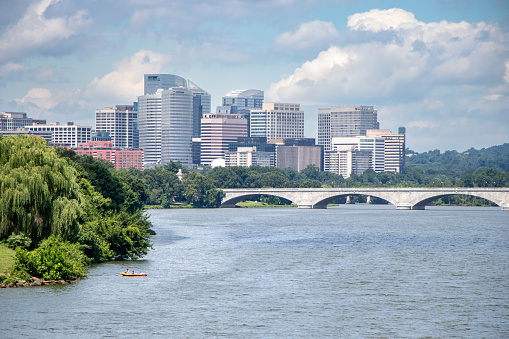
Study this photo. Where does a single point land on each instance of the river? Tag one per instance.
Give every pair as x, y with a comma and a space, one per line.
352, 271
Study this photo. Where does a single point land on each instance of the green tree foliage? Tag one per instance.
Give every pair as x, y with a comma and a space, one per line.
163, 186
53, 259
40, 195
100, 173
18, 240
57, 202
200, 190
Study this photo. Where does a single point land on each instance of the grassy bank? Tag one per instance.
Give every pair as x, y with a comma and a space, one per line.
6, 258
160, 207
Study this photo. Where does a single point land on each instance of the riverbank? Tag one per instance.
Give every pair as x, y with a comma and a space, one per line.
6, 258
8, 281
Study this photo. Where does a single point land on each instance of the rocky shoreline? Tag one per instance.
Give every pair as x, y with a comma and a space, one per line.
36, 282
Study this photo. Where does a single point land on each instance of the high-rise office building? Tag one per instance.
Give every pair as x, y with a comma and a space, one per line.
149, 120
201, 106
241, 102
251, 151
277, 121
11, 121
201, 99
344, 121
346, 160
298, 157
68, 134
121, 123
153, 82
394, 145
217, 132
177, 125
166, 126
374, 146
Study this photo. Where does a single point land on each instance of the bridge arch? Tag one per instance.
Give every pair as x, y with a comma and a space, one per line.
326, 201
232, 201
420, 205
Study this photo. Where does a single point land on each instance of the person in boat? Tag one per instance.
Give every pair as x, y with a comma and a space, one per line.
132, 272
127, 271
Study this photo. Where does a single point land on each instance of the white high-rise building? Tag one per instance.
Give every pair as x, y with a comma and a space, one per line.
347, 160
277, 121
177, 125
149, 117
344, 121
394, 148
201, 99
121, 123
375, 147
67, 134
166, 126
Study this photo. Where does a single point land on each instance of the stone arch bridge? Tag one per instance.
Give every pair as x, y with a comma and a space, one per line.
402, 198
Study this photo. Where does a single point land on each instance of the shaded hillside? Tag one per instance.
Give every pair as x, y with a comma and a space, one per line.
457, 164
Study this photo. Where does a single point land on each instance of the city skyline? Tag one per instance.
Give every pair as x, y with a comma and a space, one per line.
439, 68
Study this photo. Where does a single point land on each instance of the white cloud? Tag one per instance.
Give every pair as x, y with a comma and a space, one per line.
42, 101
377, 20
125, 83
419, 59
308, 34
34, 31
327, 68
40, 97
492, 97
422, 75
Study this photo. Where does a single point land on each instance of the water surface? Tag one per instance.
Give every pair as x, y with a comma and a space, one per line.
361, 271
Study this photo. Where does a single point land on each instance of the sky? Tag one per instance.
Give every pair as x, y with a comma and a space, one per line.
440, 68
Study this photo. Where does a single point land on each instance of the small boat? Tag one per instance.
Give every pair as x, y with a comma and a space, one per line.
123, 274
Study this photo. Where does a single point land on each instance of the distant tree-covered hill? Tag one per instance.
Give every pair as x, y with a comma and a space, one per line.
457, 164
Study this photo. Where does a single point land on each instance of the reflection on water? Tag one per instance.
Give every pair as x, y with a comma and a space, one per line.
349, 271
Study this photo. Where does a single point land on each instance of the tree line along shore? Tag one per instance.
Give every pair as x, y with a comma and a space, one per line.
60, 212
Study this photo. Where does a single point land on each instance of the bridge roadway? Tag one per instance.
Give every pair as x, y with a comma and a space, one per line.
402, 198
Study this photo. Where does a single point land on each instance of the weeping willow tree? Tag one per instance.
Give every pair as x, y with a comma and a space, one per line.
39, 193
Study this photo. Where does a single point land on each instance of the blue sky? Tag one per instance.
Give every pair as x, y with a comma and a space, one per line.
440, 68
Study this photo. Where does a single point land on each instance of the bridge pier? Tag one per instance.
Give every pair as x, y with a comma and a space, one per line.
305, 206
308, 205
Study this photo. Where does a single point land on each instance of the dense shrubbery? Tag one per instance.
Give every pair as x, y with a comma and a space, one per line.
67, 210
54, 259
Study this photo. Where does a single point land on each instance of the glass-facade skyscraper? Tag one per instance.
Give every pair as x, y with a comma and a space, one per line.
121, 123
201, 99
169, 117
166, 126
344, 121
153, 82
